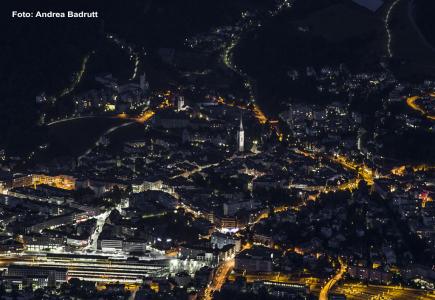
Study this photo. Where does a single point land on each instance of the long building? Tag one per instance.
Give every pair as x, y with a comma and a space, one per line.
99, 268
65, 182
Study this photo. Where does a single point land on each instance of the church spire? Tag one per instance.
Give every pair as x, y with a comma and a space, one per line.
241, 123
241, 136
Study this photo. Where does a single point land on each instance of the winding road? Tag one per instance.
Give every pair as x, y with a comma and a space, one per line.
72, 119
387, 27
337, 277
78, 78
412, 103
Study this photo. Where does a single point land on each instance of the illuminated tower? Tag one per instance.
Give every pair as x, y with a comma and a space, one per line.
180, 103
241, 137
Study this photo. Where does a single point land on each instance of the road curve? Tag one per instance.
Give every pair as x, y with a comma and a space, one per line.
337, 277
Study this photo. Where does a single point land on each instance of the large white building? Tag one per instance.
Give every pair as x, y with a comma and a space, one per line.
219, 240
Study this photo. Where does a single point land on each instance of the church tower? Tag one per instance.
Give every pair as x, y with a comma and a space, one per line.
241, 137
180, 103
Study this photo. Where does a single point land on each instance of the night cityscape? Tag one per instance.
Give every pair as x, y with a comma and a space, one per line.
217, 150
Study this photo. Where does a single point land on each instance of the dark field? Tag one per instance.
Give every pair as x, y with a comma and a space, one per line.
413, 56
270, 52
73, 138
424, 17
